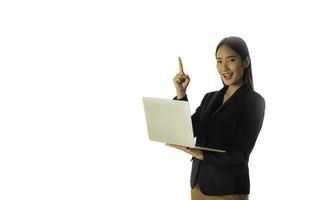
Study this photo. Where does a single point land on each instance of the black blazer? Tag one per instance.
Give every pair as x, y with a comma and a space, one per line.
232, 126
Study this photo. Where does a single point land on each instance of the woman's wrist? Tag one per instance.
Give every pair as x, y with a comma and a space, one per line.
181, 95
197, 153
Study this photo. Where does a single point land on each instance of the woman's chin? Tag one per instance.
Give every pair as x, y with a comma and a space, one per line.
227, 82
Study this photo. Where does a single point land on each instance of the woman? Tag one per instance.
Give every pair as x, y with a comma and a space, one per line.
228, 119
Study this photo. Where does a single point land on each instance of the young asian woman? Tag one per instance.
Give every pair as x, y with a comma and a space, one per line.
231, 119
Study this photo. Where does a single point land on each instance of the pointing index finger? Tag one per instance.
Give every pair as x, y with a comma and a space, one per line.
180, 65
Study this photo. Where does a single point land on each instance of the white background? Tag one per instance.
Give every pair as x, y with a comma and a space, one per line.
72, 78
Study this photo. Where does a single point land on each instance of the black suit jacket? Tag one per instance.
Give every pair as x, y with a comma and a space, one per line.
232, 126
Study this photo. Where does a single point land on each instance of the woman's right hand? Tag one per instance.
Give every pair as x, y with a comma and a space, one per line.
181, 81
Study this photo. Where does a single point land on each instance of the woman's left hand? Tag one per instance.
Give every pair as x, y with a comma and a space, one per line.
194, 152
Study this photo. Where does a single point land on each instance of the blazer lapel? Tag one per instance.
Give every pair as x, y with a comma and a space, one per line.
213, 105
243, 89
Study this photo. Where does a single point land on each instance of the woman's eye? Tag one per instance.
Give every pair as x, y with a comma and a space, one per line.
219, 61
232, 60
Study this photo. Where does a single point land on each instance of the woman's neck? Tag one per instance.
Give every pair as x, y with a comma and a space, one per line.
232, 89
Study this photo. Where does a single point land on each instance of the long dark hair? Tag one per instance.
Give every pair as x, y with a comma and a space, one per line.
238, 45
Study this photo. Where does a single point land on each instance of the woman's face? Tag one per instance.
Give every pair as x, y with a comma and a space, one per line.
230, 66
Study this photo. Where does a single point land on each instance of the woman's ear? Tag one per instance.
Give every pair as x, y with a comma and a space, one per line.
247, 62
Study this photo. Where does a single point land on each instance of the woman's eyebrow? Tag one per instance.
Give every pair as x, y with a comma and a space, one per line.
232, 56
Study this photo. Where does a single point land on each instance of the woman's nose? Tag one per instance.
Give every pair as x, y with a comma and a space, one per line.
226, 65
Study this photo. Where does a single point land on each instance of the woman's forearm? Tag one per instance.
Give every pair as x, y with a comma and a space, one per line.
194, 152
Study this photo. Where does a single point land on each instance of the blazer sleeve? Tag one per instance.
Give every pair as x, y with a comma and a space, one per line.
249, 125
195, 117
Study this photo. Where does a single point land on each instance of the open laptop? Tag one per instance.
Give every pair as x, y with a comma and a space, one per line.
169, 121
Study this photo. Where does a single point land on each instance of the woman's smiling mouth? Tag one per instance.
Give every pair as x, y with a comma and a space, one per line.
228, 76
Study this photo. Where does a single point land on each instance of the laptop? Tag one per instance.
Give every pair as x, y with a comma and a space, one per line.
169, 121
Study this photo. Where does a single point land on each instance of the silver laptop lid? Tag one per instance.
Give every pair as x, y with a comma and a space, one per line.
169, 121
